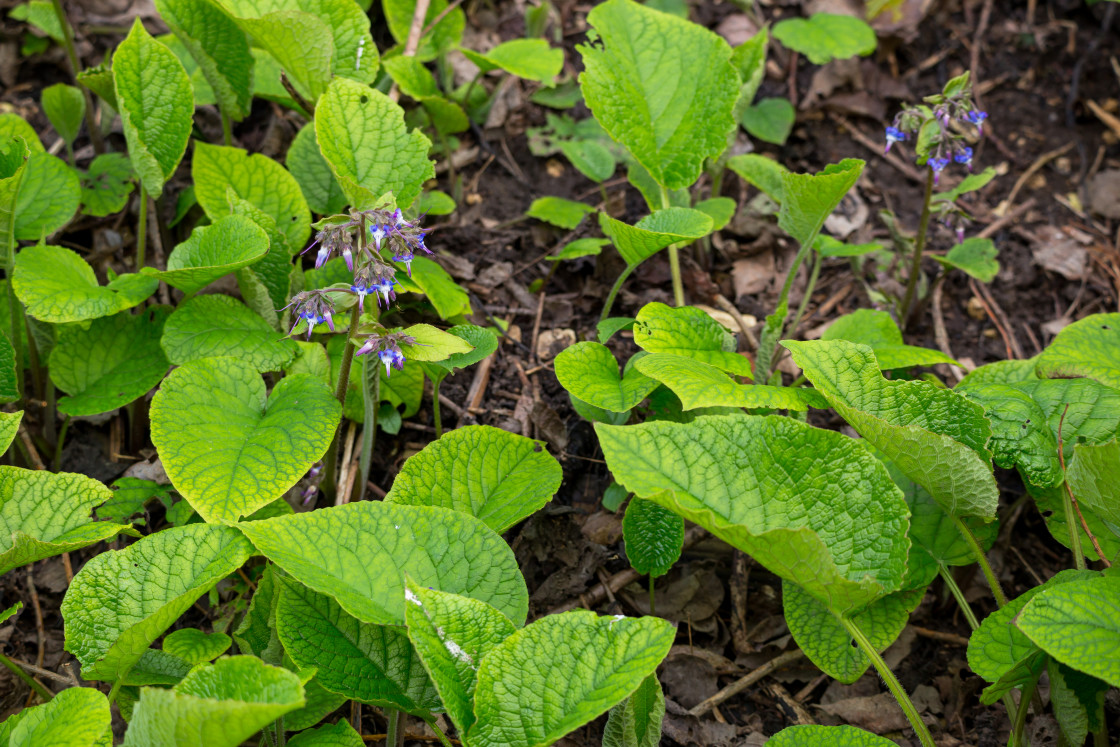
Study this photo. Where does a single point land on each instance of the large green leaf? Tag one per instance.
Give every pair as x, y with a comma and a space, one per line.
58, 286
156, 104
699, 385
213, 251
75, 717
823, 37
313, 174
48, 197
257, 179
636, 721
301, 45
369, 663
195, 647
123, 600
589, 372
827, 736
358, 553
655, 232
9, 427
1077, 700
662, 86
452, 634
813, 506
531, 59
935, 436
1089, 347
362, 135
1084, 410
216, 705
1021, 437
450, 300
43, 514
209, 326
218, 46
688, 332
1079, 625
14, 154
227, 448
340, 734
497, 476
557, 674
14, 126
878, 330
808, 199
654, 537
107, 185
113, 361
10, 371
1094, 476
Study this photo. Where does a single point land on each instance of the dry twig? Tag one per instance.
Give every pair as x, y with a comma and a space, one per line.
746, 681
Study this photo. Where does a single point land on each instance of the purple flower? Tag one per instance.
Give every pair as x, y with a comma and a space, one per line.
378, 233
388, 349
977, 118
894, 135
937, 164
398, 219
323, 255
384, 288
965, 157
392, 358
348, 255
368, 346
309, 493
361, 291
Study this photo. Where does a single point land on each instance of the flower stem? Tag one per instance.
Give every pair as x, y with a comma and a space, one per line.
891, 682
919, 248
42, 692
75, 68
60, 442
371, 385
981, 560
142, 230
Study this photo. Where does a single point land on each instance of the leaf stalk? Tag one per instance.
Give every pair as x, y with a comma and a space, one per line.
919, 248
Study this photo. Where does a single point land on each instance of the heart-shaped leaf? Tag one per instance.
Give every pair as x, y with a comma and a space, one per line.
555, 675
653, 233
823, 37
438, 547
699, 385
827, 736
788, 494
113, 361
588, 370
212, 252
58, 286
65, 107
227, 448
559, 211
195, 647
43, 514
48, 197
688, 332
808, 199
298, 43
216, 705
311, 170
77, 716
1089, 347
878, 330
531, 59
369, 663
211, 326
495, 475
156, 103
123, 600
974, 256
770, 120
654, 537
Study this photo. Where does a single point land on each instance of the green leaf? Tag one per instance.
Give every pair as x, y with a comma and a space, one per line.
824, 37
432, 344
555, 675
590, 157
41, 15
588, 370
150, 583
607, 328
830, 247
320, 704
662, 86
435, 202
1021, 437
559, 212
531, 59
213, 251
654, 537
203, 93
483, 342
1078, 624
764, 173
719, 472
313, 174
770, 120
975, 257
107, 185
808, 199
13, 165
48, 197
156, 106
196, 647
65, 107
300, 43
157, 667
486, 472
1003, 372
443, 35
878, 330
827, 736
1089, 347
10, 374
1093, 414
369, 663
340, 734
935, 436
655, 232
220, 48
691, 333
43, 514
75, 717
1094, 477
446, 549
636, 721
209, 326
749, 58
113, 361
970, 183
700, 385
257, 179
130, 496
450, 301
452, 634
720, 209
216, 705
227, 449
1077, 701
9, 427
362, 135
15, 126
99, 79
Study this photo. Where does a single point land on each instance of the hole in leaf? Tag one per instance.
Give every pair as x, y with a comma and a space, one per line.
363, 99
1105, 326
1047, 514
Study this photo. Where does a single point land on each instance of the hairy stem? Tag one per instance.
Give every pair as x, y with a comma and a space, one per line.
227, 128
75, 68
891, 682
809, 288
955, 590
371, 384
443, 740
1017, 737
610, 296
41, 691
394, 736
981, 560
768, 344
61, 440
142, 230
674, 257
919, 247
435, 408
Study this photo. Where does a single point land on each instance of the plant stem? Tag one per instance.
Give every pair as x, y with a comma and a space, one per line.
430, 721
891, 681
610, 296
1021, 715
371, 385
435, 408
75, 67
674, 258
61, 440
33, 358
115, 689
981, 560
767, 345
1074, 535
818, 260
394, 736
142, 230
919, 247
227, 130
651, 596
955, 590
9, 247
42, 692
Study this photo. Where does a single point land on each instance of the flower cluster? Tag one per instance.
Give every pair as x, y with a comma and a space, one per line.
388, 349
933, 121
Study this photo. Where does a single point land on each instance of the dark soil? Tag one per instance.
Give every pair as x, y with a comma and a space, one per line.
1026, 69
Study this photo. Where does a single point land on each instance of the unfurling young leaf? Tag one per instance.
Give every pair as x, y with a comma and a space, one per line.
654, 537
636, 721
65, 107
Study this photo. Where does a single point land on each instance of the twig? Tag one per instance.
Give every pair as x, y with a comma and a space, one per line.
939, 333
478, 385
901, 166
439, 17
303, 103
25, 437
937, 635
1015, 350
792, 705
997, 225
43, 672
1072, 498
731, 309
536, 326
746, 681
1045, 158
977, 41
342, 496
414, 31
452, 405
806, 691
40, 629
